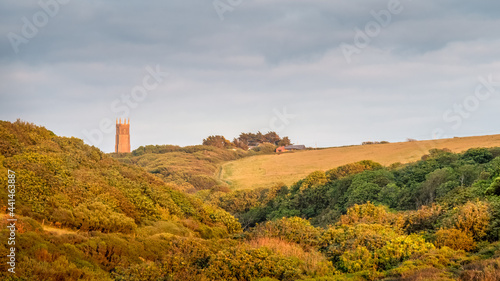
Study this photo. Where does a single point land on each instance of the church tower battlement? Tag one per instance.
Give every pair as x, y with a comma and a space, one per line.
122, 136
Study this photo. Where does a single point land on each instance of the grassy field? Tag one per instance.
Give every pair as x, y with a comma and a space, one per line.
267, 170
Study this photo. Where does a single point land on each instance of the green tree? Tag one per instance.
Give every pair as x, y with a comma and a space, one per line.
431, 184
478, 155
272, 137
494, 188
284, 142
217, 141
241, 144
352, 169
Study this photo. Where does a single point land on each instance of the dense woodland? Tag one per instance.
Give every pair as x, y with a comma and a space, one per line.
160, 213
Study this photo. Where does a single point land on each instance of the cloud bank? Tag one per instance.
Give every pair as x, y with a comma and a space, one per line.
415, 77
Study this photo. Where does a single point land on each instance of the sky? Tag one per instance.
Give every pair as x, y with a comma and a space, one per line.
324, 73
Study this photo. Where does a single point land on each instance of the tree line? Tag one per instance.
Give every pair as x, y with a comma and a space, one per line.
247, 140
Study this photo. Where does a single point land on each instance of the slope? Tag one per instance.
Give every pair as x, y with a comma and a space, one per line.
108, 215
190, 168
287, 168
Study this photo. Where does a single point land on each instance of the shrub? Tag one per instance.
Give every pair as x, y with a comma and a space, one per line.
202, 182
487, 270
356, 260
370, 247
426, 274
140, 272
249, 264
494, 188
59, 269
369, 213
351, 169
400, 249
265, 148
337, 240
292, 229
314, 263
478, 155
98, 216
227, 220
455, 239
425, 218
313, 179
472, 218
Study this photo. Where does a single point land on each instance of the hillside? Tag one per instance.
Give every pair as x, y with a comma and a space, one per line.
287, 168
83, 215
107, 215
434, 219
190, 168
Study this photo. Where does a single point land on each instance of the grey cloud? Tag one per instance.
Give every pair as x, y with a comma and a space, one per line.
228, 76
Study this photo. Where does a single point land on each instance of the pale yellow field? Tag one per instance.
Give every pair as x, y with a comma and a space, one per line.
267, 170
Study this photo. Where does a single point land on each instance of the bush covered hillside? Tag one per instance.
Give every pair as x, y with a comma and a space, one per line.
442, 178
195, 168
190, 168
440, 217
83, 215
64, 183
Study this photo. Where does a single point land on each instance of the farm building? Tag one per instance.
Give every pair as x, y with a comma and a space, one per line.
280, 149
291, 148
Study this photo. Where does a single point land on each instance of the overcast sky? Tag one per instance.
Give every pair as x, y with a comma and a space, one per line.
324, 73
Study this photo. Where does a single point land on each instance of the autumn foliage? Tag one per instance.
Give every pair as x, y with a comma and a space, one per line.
160, 214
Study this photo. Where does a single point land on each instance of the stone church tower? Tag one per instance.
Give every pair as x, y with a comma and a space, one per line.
122, 136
